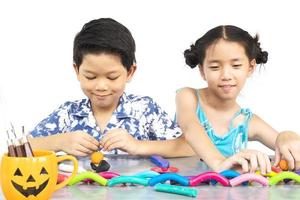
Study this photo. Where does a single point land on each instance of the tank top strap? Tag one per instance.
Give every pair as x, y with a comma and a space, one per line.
243, 111
242, 129
201, 115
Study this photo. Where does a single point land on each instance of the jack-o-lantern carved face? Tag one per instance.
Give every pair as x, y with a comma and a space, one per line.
32, 178
32, 187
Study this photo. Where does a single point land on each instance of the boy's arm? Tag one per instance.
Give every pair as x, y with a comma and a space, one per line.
46, 143
46, 135
120, 139
76, 143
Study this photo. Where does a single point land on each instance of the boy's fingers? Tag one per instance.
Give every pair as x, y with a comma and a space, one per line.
116, 145
88, 145
111, 142
83, 149
91, 139
79, 153
108, 136
79, 150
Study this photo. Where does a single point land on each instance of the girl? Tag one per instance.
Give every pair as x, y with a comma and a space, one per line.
215, 126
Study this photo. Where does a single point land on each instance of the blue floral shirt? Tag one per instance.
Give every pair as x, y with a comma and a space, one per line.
139, 115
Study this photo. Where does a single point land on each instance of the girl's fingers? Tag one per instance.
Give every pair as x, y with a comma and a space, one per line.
228, 164
253, 163
288, 157
277, 156
262, 163
296, 160
245, 165
268, 163
294, 150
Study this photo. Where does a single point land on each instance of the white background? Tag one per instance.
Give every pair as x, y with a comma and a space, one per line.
36, 39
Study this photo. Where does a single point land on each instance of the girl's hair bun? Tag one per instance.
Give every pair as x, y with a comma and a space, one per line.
191, 57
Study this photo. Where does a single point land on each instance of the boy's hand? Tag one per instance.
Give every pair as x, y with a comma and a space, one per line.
119, 139
287, 147
247, 161
78, 143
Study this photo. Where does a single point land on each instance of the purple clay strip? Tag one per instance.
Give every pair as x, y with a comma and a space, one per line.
159, 161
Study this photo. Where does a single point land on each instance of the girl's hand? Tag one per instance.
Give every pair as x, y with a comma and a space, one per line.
77, 143
247, 161
119, 139
287, 147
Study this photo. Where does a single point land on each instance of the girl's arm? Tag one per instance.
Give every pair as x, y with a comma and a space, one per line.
286, 144
186, 105
261, 131
246, 160
167, 148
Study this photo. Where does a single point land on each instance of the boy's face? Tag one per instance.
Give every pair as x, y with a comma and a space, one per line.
103, 78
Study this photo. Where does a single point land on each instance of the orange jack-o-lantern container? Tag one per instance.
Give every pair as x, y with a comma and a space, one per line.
25, 178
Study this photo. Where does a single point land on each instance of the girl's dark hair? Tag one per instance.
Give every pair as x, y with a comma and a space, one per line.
104, 35
196, 54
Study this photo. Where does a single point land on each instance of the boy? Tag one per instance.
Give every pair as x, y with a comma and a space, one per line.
104, 61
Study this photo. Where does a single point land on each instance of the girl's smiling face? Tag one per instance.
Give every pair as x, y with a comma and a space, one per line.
103, 78
226, 68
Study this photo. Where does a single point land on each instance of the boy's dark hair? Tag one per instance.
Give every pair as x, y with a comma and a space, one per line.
196, 54
104, 35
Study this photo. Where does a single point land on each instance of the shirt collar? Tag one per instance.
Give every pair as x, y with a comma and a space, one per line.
123, 110
82, 108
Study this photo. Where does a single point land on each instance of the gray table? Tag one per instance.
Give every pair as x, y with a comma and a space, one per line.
128, 165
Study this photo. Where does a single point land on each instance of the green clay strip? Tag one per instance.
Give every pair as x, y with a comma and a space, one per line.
127, 179
88, 175
284, 175
271, 174
176, 189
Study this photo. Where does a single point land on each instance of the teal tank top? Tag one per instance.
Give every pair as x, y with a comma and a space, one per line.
235, 139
